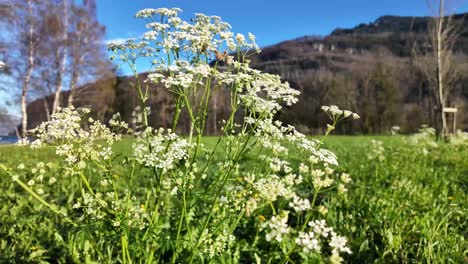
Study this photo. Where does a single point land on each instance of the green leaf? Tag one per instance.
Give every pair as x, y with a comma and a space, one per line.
364, 246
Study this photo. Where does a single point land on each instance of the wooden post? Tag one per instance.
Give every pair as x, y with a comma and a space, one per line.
455, 123
453, 110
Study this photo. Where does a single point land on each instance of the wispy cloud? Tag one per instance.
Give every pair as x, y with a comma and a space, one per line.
132, 35
115, 40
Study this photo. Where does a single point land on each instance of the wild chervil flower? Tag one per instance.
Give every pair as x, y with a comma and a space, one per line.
278, 227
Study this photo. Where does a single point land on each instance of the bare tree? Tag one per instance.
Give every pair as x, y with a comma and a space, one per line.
61, 53
21, 42
87, 56
436, 59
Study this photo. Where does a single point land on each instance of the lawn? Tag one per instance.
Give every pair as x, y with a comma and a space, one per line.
404, 204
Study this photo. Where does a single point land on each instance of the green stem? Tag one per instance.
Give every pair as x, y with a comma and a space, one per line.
326, 135
83, 178
175, 121
215, 201
124, 244
140, 94
311, 205
181, 218
42, 201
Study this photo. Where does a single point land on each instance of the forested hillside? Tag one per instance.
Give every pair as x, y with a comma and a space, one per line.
371, 69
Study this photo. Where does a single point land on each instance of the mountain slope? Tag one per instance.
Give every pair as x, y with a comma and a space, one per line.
368, 69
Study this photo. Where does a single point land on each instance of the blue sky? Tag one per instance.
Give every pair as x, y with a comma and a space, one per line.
271, 21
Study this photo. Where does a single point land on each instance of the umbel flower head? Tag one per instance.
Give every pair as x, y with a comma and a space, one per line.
182, 52
72, 141
166, 149
336, 114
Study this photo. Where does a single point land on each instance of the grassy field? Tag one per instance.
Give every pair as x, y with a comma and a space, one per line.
403, 206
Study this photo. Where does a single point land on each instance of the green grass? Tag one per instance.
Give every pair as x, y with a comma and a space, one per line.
408, 208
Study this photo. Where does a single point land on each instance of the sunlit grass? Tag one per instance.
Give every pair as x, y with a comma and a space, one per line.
407, 208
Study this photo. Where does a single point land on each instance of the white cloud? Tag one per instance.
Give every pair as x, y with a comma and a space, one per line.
116, 40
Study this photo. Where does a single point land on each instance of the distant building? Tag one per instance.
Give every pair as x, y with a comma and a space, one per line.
318, 47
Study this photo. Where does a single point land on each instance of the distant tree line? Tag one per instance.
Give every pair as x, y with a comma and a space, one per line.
386, 71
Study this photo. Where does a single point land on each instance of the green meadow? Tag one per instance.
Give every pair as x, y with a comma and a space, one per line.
402, 206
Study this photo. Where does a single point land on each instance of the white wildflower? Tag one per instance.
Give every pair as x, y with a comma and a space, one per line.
338, 244
345, 178
320, 228
166, 149
308, 241
341, 188
299, 204
278, 227
336, 114
322, 210
336, 259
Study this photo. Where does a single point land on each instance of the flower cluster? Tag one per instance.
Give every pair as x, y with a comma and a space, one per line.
272, 134
425, 139
278, 225
308, 241
204, 34
108, 207
216, 245
318, 235
377, 151
319, 230
272, 187
39, 177
300, 204
64, 126
149, 12
460, 138
263, 93
160, 149
394, 130
336, 114
202, 37
72, 141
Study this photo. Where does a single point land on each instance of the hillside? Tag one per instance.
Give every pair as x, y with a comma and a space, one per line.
368, 69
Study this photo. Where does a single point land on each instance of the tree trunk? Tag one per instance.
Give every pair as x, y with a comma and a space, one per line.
61, 63
24, 113
440, 116
46, 107
27, 76
438, 120
73, 82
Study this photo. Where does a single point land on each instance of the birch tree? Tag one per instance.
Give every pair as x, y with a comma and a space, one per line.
61, 53
87, 55
21, 42
437, 60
